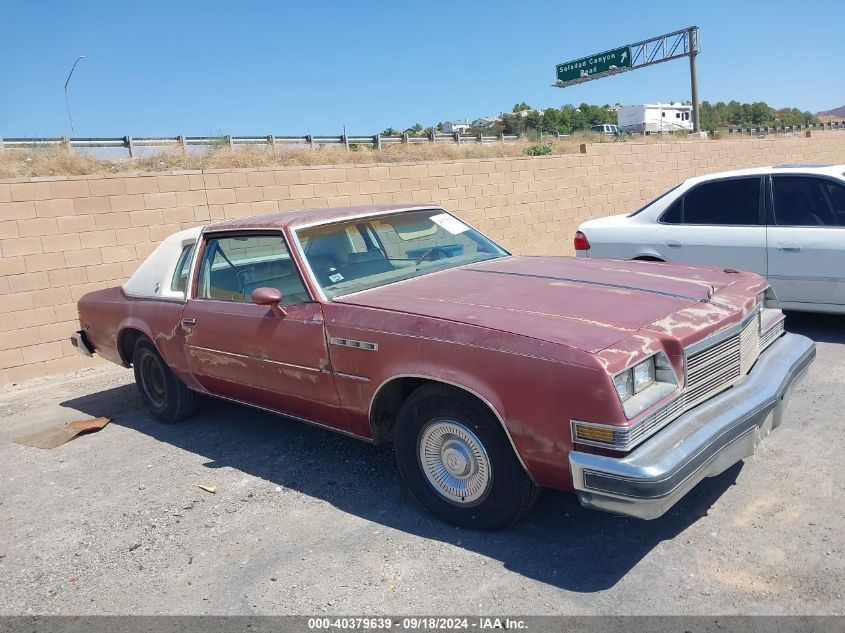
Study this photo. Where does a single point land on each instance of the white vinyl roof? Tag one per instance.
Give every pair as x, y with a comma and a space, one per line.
154, 276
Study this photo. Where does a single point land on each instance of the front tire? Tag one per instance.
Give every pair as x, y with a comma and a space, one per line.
457, 460
163, 394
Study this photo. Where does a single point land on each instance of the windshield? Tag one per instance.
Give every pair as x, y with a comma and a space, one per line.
360, 254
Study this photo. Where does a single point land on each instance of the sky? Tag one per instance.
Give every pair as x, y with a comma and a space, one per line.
258, 67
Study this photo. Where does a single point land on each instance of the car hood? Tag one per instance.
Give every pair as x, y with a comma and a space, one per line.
582, 303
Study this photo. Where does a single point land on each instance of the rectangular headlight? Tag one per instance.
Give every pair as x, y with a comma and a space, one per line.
643, 374
624, 382
643, 384
638, 387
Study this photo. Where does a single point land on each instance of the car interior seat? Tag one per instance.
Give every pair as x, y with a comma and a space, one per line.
365, 264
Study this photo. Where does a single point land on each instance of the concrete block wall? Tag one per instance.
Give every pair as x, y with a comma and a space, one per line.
62, 237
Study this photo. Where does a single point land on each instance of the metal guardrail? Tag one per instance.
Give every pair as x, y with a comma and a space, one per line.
135, 145
785, 129
138, 146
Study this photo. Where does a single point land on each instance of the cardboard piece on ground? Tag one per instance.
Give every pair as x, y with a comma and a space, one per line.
51, 438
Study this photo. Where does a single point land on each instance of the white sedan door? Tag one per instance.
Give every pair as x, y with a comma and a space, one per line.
806, 240
716, 223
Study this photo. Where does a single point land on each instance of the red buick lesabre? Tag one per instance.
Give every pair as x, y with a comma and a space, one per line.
492, 375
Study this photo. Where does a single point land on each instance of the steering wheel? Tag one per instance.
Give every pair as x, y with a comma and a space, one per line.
440, 253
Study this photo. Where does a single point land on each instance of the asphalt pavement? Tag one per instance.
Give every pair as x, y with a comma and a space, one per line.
304, 521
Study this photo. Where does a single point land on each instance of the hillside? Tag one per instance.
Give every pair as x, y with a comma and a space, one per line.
836, 114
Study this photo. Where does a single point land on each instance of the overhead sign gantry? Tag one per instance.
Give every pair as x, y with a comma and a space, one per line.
663, 48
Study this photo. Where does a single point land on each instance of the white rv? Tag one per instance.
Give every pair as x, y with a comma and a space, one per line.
655, 117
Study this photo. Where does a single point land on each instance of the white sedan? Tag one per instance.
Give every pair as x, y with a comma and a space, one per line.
786, 223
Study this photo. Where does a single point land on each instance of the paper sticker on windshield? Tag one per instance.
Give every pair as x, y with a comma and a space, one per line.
335, 278
451, 224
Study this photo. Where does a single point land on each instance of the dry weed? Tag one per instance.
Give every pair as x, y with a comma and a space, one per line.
31, 162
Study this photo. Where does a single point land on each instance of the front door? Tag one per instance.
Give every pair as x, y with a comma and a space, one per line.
806, 240
245, 352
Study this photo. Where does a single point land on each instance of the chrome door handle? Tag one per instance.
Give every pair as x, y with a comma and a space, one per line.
189, 321
673, 243
789, 247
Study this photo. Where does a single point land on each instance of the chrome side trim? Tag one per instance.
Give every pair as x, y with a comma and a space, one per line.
320, 425
340, 374
464, 388
258, 358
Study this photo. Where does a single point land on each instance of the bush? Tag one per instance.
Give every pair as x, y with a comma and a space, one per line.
540, 149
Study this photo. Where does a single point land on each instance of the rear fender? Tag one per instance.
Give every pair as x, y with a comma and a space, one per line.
164, 329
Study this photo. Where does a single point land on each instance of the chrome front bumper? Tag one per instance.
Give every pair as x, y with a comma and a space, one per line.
703, 442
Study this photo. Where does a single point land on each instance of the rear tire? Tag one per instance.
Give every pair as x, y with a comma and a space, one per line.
458, 462
163, 394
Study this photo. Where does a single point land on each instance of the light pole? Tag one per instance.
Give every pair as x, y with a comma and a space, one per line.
67, 101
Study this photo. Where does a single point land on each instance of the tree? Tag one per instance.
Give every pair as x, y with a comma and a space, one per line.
568, 119
760, 113
533, 121
551, 121
514, 123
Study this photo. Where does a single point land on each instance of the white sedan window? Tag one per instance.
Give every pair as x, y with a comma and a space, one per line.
808, 201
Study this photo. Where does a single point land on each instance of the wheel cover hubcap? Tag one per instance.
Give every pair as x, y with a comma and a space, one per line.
153, 379
455, 461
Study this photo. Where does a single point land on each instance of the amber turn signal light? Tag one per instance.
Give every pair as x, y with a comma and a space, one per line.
594, 433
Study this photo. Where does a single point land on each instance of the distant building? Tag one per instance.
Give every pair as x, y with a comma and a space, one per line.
486, 121
525, 113
460, 125
655, 117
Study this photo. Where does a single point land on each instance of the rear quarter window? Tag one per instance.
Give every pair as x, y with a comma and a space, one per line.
735, 201
179, 283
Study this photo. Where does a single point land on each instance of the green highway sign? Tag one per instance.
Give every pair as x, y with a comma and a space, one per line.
594, 64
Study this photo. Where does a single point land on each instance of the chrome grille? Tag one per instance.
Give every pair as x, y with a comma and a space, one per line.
633, 435
723, 364
710, 368
771, 334
749, 344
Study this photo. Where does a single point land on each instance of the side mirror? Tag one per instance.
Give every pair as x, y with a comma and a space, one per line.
269, 297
